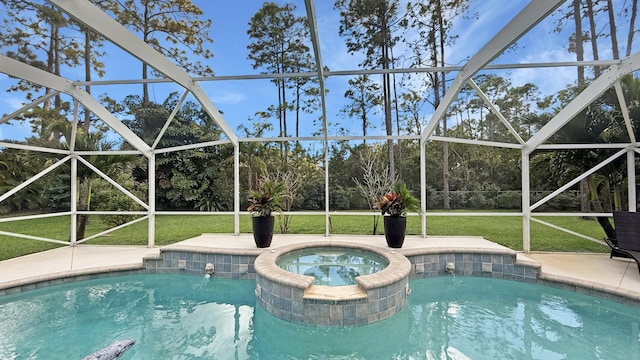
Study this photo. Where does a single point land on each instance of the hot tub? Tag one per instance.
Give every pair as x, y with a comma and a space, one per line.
332, 293
332, 266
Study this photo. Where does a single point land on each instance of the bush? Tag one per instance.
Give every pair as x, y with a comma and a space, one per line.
434, 198
458, 199
509, 200
105, 197
477, 200
564, 201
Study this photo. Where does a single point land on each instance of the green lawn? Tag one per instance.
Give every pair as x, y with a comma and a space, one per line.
169, 229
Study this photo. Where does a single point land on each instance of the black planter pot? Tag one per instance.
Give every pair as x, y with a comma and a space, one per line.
394, 229
262, 230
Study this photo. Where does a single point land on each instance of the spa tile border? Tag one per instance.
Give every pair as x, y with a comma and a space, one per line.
471, 262
192, 260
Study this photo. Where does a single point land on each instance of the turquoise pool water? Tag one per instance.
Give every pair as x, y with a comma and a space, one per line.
333, 266
185, 317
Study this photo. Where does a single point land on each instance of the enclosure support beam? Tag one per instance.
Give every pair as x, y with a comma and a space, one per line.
73, 202
236, 189
526, 204
631, 176
151, 236
423, 187
315, 41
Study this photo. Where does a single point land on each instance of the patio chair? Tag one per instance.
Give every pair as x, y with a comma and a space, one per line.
611, 236
627, 236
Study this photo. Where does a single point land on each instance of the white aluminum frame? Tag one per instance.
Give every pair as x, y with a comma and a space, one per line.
100, 22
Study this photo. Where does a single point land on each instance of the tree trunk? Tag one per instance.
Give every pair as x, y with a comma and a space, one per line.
83, 205
577, 16
397, 113
375, 224
594, 37
595, 197
445, 145
632, 22
612, 29
584, 198
363, 111
386, 89
86, 124
280, 110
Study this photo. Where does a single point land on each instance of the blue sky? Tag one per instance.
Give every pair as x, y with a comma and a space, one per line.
240, 99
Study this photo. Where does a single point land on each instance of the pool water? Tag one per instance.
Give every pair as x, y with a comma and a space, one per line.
332, 266
186, 317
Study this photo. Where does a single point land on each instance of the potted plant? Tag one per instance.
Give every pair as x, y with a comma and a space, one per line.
394, 206
262, 202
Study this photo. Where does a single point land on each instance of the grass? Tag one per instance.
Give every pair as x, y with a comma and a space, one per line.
169, 229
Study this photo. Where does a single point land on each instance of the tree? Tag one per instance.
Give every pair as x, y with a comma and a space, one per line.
109, 164
253, 155
579, 51
279, 46
365, 99
433, 20
35, 34
197, 178
295, 173
376, 179
93, 141
576, 45
600, 123
411, 110
15, 168
173, 28
91, 64
368, 27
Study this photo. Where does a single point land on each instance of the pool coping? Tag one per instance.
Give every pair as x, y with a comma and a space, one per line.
265, 265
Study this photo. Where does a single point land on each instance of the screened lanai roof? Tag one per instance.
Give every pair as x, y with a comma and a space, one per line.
519, 39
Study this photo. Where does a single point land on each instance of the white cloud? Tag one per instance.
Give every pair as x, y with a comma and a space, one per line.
227, 97
548, 80
12, 103
474, 33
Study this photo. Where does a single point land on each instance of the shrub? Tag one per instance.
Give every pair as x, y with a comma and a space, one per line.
510, 199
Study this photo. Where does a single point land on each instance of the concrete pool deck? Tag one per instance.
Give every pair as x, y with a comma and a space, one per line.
591, 270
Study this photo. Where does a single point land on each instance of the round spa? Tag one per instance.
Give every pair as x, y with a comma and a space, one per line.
332, 284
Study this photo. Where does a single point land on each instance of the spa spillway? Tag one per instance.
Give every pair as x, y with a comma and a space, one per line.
332, 285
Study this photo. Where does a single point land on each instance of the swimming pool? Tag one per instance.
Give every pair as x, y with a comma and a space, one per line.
186, 317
